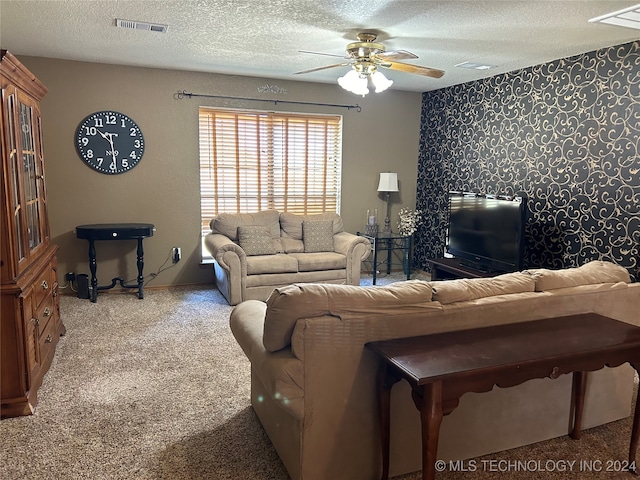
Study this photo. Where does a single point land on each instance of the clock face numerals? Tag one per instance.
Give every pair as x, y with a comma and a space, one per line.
109, 142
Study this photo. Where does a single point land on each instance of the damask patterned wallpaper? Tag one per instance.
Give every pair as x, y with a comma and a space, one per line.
566, 134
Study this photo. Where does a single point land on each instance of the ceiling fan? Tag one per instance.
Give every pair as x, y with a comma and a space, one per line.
365, 57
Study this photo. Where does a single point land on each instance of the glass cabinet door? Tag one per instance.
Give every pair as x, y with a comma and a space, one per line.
14, 174
25, 179
31, 175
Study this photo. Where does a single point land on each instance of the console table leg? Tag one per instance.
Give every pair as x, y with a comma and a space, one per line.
578, 389
385, 382
140, 263
431, 417
635, 433
93, 267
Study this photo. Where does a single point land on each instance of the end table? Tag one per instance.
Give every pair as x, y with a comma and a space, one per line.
389, 242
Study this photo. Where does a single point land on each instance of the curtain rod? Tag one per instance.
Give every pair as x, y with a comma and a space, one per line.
183, 93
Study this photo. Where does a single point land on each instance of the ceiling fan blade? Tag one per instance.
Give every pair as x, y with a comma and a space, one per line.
396, 55
406, 67
322, 68
320, 53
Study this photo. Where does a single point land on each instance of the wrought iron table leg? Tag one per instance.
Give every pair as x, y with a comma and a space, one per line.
140, 263
93, 266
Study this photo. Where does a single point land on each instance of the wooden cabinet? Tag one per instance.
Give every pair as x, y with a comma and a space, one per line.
30, 324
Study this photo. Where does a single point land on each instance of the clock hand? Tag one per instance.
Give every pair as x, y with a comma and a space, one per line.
113, 150
108, 137
103, 135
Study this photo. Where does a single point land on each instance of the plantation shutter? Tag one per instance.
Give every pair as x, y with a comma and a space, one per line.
256, 160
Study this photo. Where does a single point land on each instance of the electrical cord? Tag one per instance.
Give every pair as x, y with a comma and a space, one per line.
152, 276
147, 278
70, 285
161, 269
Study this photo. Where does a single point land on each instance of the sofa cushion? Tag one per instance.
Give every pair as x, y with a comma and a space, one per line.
275, 280
317, 236
279, 263
291, 224
284, 306
292, 245
464, 289
311, 262
287, 304
256, 240
227, 223
590, 273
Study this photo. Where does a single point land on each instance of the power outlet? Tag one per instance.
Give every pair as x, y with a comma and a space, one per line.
176, 254
70, 277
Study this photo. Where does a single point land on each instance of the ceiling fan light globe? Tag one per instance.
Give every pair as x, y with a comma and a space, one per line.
348, 79
380, 81
353, 82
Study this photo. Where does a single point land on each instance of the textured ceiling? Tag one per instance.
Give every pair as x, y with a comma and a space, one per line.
263, 38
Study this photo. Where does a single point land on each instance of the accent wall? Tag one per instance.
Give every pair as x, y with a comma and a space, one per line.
566, 134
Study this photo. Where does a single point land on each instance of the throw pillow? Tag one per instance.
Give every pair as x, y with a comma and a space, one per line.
291, 223
317, 236
256, 240
227, 223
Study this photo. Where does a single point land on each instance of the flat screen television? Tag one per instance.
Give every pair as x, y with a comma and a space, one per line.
487, 232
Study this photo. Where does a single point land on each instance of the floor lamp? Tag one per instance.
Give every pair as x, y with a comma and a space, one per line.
388, 183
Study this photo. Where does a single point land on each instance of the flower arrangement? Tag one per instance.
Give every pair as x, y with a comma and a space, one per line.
409, 221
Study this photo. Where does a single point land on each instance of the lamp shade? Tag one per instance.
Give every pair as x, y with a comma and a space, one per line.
388, 182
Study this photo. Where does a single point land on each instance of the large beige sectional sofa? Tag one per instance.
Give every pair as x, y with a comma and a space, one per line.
313, 382
254, 253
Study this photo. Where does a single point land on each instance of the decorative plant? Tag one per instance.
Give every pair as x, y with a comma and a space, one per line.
409, 221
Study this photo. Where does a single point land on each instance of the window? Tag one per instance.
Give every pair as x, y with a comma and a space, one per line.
255, 160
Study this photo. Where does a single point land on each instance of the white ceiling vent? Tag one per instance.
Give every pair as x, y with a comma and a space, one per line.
153, 27
629, 17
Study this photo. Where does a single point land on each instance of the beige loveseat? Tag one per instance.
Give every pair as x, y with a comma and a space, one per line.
313, 382
254, 253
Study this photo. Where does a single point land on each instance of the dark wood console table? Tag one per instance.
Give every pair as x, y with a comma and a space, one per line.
448, 268
115, 231
442, 367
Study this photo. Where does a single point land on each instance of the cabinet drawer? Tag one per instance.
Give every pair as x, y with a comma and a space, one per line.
48, 338
45, 313
44, 285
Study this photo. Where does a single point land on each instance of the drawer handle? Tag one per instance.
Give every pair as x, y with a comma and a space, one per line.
48, 339
36, 321
47, 312
45, 285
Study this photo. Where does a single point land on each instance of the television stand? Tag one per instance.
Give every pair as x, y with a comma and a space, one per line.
451, 268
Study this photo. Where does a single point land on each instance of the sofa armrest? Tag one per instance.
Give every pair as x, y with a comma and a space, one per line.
347, 243
356, 249
222, 247
281, 373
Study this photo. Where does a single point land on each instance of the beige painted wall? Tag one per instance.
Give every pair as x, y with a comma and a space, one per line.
163, 188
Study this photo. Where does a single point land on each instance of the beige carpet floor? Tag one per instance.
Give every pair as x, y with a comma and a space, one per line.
158, 389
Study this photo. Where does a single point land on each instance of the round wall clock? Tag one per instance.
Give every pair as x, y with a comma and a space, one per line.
109, 142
